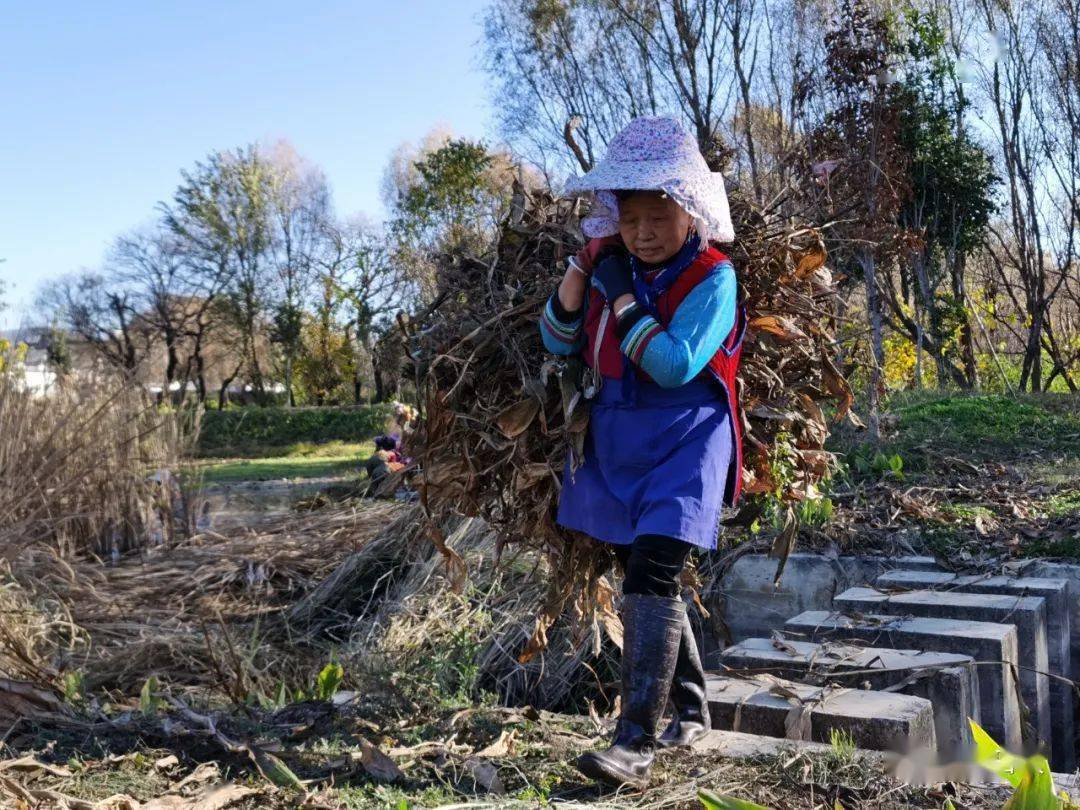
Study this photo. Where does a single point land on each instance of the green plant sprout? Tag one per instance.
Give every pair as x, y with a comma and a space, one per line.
328, 681
716, 801
1031, 777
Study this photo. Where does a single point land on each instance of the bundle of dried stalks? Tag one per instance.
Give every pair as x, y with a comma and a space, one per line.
501, 415
421, 625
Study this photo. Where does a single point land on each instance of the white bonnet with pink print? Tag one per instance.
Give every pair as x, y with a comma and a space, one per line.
656, 154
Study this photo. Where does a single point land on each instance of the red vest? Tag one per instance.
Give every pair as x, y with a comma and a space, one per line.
607, 358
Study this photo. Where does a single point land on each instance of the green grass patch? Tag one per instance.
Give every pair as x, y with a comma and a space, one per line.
131, 775
249, 432
308, 461
966, 512
393, 797
1067, 548
991, 426
1063, 504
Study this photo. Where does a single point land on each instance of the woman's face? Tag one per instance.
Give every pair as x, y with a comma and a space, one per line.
652, 226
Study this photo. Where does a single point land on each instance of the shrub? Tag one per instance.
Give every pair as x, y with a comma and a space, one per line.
229, 430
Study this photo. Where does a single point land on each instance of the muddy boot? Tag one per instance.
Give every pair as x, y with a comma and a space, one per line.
652, 632
690, 718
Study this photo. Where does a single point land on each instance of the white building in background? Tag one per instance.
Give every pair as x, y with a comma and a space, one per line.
37, 375
33, 370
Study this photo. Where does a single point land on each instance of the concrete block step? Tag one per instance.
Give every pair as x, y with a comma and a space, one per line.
1027, 613
754, 605
1069, 572
982, 641
947, 680
1056, 593
916, 563
772, 707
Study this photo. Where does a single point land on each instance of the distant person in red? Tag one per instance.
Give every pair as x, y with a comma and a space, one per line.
385, 460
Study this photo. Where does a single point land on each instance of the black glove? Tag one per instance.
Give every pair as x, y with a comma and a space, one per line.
613, 277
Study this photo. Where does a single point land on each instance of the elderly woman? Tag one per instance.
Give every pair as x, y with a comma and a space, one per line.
651, 305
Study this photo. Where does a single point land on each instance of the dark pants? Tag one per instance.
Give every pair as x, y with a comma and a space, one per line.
652, 564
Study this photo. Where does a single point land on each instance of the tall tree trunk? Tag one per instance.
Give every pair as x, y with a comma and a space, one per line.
1031, 375
967, 333
289, 380
877, 350
380, 386
923, 303
200, 368
223, 392
172, 361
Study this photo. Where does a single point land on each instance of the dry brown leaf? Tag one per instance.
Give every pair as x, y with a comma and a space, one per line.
166, 762
515, 420
216, 797
811, 259
799, 720
28, 764
502, 747
782, 644
778, 326
784, 543
485, 776
20, 699
377, 764
204, 772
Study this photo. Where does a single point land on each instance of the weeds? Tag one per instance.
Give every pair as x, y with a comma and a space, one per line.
842, 745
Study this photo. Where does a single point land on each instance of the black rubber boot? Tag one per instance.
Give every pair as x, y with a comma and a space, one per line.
652, 633
690, 718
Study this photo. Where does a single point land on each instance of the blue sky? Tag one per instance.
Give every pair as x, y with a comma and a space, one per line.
103, 103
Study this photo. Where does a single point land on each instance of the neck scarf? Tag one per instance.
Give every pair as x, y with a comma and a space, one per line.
651, 283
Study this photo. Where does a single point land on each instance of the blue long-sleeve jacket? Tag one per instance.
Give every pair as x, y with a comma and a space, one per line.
673, 356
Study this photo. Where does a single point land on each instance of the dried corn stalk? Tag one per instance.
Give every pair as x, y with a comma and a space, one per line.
501, 415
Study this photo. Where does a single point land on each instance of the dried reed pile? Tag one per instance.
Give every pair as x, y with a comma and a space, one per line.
501, 415
190, 612
86, 471
89, 467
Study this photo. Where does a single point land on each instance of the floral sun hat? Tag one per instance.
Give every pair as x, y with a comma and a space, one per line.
656, 154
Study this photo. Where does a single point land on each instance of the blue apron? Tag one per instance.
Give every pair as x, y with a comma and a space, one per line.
656, 462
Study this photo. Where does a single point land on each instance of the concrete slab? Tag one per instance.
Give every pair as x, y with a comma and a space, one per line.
1055, 570
916, 564
879, 721
947, 680
1056, 592
1027, 613
739, 745
753, 606
983, 641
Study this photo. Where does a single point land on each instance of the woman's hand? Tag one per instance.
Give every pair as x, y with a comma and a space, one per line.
572, 288
579, 270
614, 278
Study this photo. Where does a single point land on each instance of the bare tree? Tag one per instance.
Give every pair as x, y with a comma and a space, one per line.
102, 314
1036, 165
149, 264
